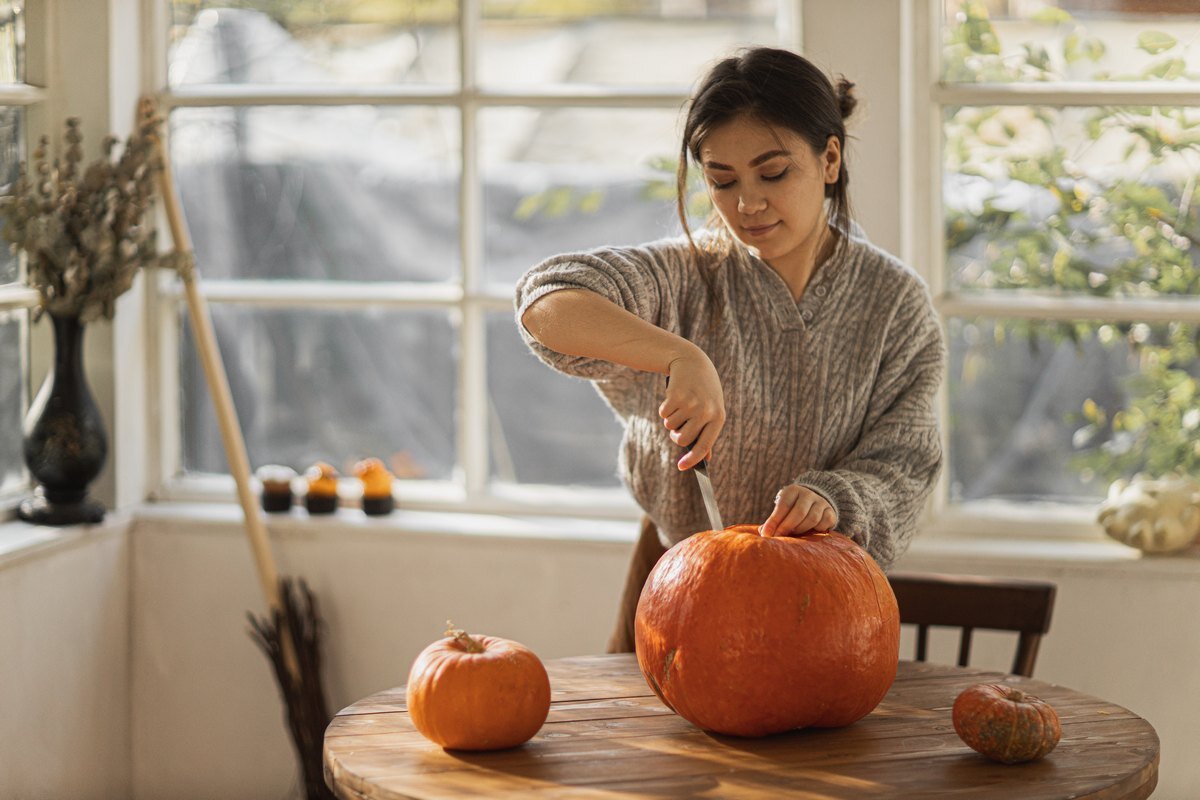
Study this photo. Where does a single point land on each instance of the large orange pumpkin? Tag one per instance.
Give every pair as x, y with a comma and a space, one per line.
750, 635
477, 692
1005, 724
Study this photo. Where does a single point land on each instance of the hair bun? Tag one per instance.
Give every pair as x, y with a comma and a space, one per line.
847, 102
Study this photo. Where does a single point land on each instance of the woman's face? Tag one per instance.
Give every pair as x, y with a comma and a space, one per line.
769, 187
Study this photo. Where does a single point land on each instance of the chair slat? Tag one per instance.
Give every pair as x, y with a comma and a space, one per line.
964, 646
971, 602
1027, 650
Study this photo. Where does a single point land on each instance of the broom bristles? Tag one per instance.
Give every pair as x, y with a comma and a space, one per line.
303, 697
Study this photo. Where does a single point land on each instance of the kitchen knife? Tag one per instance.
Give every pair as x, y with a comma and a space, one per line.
706, 490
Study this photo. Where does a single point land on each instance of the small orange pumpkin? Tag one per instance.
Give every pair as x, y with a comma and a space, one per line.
477, 692
1005, 724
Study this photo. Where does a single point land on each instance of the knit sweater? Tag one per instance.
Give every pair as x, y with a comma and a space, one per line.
835, 392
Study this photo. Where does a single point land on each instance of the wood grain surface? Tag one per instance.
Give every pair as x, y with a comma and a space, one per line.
608, 736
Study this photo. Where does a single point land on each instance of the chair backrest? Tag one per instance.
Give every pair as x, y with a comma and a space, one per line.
969, 602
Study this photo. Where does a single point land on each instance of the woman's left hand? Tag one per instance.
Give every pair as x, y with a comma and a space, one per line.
798, 510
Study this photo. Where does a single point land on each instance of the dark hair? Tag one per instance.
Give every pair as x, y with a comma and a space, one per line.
781, 89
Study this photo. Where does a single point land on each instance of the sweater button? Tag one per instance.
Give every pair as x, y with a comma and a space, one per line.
821, 290
806, 314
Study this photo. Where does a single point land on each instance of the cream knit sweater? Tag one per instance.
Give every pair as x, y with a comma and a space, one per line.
834, 392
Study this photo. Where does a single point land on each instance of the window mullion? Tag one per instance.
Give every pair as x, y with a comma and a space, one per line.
472, 424
1019, 305
921, 228
545, 95
167, 407
287, 95
16, 297
325, 294
21, 95
1112, 93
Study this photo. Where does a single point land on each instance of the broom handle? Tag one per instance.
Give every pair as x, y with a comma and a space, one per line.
222, 399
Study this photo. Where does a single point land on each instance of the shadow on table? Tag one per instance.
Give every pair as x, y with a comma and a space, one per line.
683, 761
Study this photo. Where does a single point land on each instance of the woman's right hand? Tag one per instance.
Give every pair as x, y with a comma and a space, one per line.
694, 406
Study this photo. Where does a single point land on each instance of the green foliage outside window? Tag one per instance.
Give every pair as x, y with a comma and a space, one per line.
1120, 235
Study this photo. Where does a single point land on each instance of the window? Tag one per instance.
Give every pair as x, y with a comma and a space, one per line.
15, 298
1070, 229
364, 182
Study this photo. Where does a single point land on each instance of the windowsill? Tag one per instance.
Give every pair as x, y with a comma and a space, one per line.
932, 550
20, 541
1064, 556
437, 497
999, 548
299, 524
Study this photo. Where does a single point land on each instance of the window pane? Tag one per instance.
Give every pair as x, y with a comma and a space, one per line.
12, 42
1095, 201
1056, 412
358, 193
313, 42
1070, 40
627, 42
569, 179
12, 129
546, 427
13, 394
327, 385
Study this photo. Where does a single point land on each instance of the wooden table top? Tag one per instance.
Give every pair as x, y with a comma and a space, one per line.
608, 736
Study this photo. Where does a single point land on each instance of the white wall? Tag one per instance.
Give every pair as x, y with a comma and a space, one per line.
64, 667
206, 714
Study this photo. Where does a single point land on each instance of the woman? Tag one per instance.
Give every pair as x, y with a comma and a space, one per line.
803, 362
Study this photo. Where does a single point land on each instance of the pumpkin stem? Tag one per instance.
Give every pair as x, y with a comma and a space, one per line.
464, 641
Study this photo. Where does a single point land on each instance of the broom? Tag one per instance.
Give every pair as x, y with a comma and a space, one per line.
290, 634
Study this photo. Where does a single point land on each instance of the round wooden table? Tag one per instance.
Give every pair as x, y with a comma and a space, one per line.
608, 736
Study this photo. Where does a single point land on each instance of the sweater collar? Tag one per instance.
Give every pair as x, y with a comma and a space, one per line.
792, 315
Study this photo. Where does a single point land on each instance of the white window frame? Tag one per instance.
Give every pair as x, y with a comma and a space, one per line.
930, 96
468, 300
31, 96
912, 185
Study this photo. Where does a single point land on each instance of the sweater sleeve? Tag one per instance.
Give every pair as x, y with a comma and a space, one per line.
646, 281
879, 488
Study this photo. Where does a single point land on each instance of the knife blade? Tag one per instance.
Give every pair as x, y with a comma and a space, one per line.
706, 491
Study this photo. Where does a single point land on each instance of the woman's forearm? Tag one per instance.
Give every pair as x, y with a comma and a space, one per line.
579, 322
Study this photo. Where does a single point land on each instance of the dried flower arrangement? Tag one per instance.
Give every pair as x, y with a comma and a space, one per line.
83, 232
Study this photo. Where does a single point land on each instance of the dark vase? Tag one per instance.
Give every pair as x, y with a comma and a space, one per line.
65, 444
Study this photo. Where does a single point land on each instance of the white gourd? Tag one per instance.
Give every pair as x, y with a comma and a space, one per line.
1154, 515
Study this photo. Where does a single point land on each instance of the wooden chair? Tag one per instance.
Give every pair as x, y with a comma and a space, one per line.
969, 602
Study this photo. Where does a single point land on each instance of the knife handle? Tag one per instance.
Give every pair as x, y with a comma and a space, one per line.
703, 464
